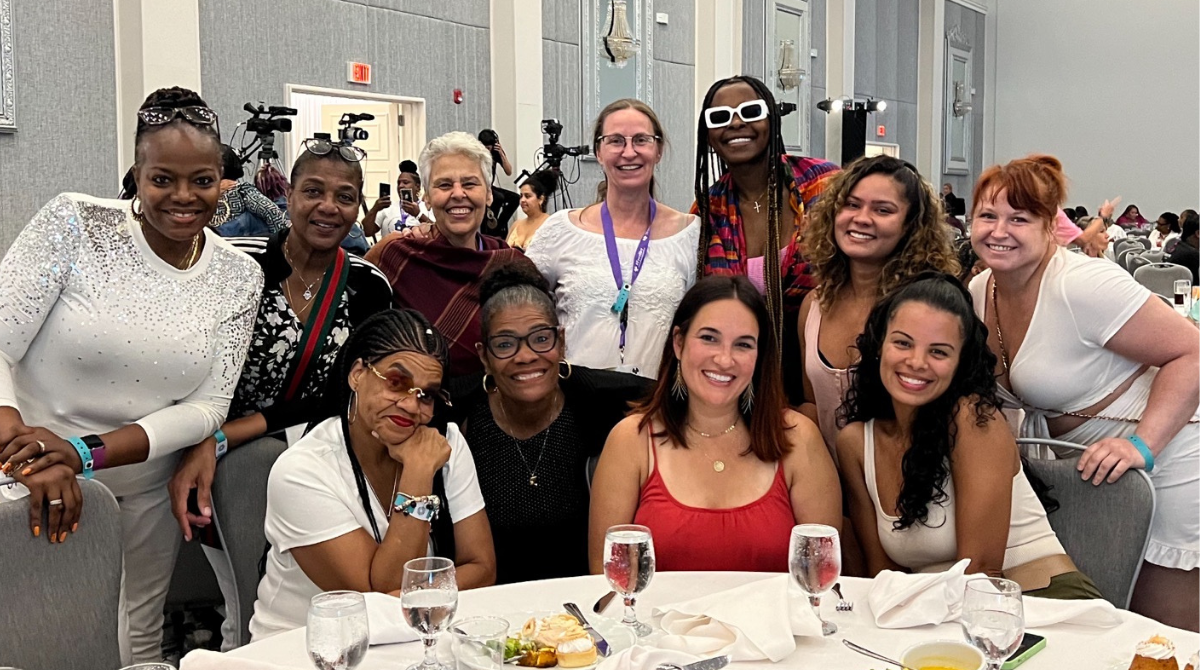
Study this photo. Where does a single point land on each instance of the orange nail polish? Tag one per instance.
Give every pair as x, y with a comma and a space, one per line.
37, 531
53, 538
75, 528
26, 471
62, 537
6, 468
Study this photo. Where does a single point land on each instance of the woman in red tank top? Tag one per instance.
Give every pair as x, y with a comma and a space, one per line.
714, 463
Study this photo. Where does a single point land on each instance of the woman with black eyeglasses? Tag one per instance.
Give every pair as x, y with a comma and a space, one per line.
126, 325
533, 420
752, 217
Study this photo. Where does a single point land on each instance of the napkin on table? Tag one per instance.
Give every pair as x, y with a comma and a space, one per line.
645, 658
752, 622
386, 620
202, 659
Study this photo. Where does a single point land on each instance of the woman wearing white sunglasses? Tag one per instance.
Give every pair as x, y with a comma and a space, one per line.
751, 218
619, 267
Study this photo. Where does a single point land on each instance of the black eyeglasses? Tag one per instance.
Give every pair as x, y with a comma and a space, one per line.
539, 341
320, 146
748, 112
157, 116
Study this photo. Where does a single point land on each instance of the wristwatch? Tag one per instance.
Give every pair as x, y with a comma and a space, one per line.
425, 508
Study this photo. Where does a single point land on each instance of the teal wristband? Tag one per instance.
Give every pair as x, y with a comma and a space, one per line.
222, 443
85, 455
1145, 451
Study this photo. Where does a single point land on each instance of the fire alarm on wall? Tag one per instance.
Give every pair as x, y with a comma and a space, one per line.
458, 96
880, 131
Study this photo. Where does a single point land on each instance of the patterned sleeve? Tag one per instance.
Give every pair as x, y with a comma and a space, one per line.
203, 411
262, 207
33, 274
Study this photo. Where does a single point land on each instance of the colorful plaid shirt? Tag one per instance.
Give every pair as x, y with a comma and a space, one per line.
727, 246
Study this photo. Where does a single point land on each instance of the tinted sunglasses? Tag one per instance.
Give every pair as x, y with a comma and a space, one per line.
748, 112
157, 116
398, 384
319, 146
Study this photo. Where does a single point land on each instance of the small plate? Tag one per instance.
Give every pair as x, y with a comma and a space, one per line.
619, 636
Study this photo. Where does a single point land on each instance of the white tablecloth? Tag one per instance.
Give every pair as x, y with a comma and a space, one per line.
1066, 646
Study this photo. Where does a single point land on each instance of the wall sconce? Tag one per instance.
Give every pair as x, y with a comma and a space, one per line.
618, 43
790, 75
829, 105
962, 104
875, 105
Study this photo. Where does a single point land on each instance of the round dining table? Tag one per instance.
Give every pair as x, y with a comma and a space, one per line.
1067, 645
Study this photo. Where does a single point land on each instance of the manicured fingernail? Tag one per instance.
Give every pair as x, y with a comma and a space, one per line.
37, 531
53, 538
26, 471
62, 537
207, 511
75, 528
6, 468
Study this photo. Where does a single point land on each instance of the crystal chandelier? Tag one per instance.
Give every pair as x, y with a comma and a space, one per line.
790, 75
618, 42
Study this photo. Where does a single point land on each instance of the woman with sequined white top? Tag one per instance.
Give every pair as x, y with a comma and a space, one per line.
125, 326
619, 267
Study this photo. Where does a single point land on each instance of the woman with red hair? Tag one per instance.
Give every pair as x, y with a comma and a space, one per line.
1096, 359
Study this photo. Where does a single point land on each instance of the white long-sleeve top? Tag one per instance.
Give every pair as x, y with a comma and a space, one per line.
98, 332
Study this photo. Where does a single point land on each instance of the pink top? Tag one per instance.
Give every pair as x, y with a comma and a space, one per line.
754, 272
1065, 230
750, 538
829, 384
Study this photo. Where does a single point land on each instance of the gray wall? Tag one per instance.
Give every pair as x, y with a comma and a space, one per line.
66, 109
250, 51
971, 24
673, 95
885, 68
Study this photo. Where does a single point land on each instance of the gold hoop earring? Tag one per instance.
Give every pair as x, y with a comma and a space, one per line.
569, 370
135, 209
485, 384
352, 407
678, 388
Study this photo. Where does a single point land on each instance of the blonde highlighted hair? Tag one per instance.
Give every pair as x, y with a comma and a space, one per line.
925, 243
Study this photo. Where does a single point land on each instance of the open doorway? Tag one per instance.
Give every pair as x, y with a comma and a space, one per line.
397, 132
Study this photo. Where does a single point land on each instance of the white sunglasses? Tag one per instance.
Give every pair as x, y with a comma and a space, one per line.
748, 112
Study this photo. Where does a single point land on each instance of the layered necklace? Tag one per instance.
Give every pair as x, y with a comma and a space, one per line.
533, 481
192, 254
308, 285
717, 464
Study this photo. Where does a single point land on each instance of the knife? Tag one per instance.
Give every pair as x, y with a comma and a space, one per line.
709, 663
601, 643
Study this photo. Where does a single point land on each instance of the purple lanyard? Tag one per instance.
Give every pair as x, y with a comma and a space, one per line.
621, 304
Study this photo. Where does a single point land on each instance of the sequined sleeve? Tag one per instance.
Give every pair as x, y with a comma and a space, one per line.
203, 411
32, 275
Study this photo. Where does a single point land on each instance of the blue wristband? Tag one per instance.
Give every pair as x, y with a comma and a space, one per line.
85, 455
222, 443
1145, 451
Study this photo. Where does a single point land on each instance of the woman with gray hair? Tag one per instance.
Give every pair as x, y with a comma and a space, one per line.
437, 272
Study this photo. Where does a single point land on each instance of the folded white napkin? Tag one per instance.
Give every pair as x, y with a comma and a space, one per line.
201, 659
900, 600
752, 622
645, 658
386, 620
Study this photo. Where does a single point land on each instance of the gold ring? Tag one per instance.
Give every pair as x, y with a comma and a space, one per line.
41, 446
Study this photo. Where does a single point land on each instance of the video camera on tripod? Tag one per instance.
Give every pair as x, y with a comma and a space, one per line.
264, 122
553, 152
350, 133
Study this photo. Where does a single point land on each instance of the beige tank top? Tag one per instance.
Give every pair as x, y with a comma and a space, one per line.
829, 384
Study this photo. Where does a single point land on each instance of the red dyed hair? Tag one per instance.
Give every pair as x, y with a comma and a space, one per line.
1035, 184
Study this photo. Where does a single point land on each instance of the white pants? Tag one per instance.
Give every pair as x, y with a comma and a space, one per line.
150, 538
230, 627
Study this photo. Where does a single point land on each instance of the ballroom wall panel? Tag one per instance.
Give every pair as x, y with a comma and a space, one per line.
885, 68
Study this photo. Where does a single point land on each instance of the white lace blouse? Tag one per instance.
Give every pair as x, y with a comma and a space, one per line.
575, 262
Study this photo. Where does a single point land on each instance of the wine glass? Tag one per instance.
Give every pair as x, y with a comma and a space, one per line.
429, 598
337, 630
629, 566
815, 561
993, 618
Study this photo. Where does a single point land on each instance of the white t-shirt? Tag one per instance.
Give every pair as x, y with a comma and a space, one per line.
312, 498
394, 218
575, 263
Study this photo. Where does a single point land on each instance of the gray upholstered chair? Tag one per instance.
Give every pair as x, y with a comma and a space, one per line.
1160, 277
61, 601
1124, 254
1136, 260
1105, 529
239, 509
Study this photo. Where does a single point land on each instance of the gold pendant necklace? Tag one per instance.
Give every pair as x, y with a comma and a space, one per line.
717, 464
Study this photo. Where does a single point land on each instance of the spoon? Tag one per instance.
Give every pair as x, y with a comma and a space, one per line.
879, 657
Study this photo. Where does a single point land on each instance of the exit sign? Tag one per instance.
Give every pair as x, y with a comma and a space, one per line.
358, 73
880, 131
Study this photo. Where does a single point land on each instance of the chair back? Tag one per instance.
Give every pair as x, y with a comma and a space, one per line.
239, 510
1160, 277
1105, 529
1136, 260
1125, 243
1155, 255
61, 601
1124, 254
1142, 239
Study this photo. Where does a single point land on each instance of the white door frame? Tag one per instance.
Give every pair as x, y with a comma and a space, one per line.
414, 129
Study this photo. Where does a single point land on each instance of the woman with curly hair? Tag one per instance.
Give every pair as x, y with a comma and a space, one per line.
923, 442
878, 224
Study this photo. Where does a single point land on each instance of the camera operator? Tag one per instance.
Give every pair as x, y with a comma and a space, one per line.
504, 202
243, 211
390, 215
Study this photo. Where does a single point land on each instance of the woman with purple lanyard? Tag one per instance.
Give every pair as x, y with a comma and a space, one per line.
618, 270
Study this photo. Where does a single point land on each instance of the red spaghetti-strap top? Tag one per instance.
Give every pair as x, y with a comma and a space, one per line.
750, 538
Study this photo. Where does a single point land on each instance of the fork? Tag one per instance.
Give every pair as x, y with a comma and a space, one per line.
843, 605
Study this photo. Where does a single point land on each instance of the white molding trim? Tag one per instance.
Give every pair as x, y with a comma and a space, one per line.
417, 132
517, 76
718, 44
973, 5
931, 65
839, 68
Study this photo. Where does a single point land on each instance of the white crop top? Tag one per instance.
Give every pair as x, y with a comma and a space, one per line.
1082, 302
933, 546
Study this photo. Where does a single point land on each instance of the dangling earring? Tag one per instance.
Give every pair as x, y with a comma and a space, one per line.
748, 399
494, 388
135, 209
352, 407
678, 388
560, 373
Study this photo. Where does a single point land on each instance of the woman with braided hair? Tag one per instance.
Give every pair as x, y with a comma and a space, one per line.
752, 216
127, 326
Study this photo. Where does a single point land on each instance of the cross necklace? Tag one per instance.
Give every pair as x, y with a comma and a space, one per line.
758, 208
